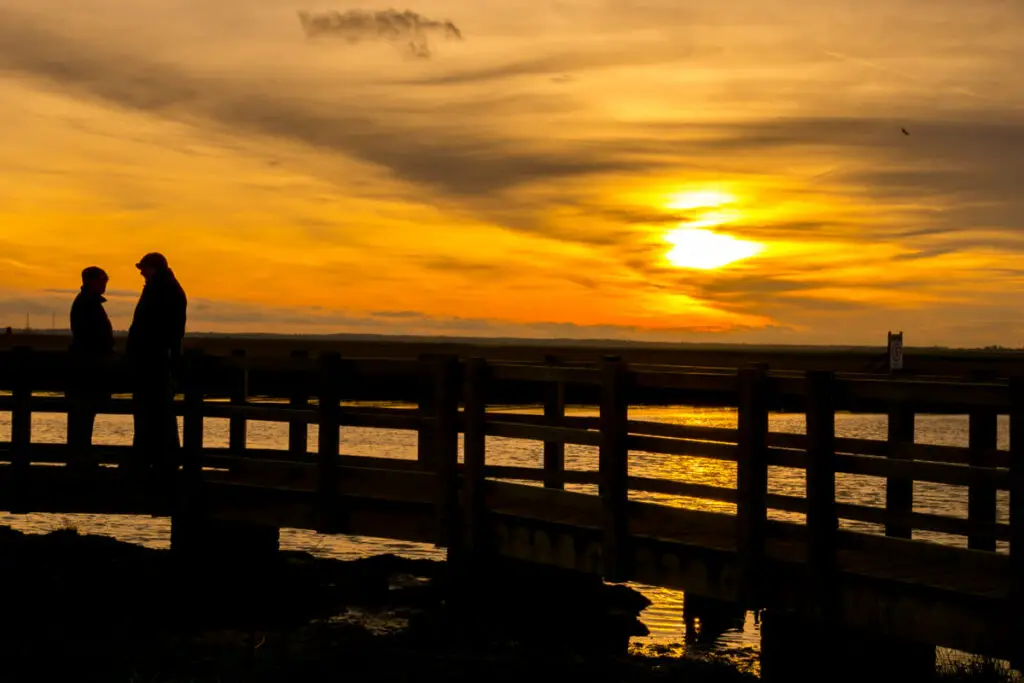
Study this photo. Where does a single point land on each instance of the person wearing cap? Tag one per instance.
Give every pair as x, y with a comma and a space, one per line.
92, 342
154, 348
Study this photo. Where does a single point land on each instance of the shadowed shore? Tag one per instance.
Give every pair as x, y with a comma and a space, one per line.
90, 608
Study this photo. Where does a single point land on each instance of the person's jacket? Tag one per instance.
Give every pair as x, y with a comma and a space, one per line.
91, 332
158, 325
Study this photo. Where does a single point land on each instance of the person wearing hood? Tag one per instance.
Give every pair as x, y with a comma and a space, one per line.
92, 343
154, 348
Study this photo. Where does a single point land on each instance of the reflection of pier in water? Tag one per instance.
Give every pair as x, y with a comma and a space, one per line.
891, 594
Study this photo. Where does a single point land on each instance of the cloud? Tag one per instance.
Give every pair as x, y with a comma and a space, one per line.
448, 157
409, 29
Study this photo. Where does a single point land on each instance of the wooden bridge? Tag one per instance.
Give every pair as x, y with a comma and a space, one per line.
891, 587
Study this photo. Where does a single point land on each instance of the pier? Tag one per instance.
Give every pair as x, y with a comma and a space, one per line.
891, 597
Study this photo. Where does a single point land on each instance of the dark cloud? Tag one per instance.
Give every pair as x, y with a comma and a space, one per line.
439, 151
408, 29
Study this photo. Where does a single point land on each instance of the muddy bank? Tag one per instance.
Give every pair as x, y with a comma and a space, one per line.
87, 608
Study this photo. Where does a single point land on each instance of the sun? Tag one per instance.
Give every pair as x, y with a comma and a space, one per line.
695, 244
699, 199
704, 249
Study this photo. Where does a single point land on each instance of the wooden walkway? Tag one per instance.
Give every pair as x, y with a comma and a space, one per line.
888, 586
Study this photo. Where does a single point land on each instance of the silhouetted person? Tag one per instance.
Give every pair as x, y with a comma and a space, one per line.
92, 344
154, 347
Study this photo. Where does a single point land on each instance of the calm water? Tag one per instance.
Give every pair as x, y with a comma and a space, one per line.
664, 617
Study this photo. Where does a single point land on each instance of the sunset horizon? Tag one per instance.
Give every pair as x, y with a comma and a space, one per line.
760, 173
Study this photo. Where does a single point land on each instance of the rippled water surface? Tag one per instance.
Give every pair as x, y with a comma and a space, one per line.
664, 617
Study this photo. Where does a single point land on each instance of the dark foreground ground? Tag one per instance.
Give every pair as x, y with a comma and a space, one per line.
89, 608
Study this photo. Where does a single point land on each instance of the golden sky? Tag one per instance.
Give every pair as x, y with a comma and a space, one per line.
690, 170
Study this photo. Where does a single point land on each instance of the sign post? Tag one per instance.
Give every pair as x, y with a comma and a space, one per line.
895, 351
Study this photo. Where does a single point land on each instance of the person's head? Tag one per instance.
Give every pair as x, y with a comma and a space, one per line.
94, 279
151, 264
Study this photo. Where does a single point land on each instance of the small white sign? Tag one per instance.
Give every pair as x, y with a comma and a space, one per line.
896, 351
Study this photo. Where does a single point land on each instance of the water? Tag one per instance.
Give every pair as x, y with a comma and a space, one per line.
664, 616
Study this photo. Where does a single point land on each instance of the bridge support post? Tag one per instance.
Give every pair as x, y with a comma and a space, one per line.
793, 649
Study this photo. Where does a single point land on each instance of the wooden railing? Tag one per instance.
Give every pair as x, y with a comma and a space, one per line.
454, 397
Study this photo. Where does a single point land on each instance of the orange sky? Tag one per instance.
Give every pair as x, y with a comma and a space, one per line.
540, 177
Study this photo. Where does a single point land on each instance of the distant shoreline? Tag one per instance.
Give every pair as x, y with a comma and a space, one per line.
342, 337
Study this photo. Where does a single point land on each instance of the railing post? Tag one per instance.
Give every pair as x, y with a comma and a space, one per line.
425, 434
981, 496
475, 456
239, 397
752, 479
899, 491
21, 413
445, 455
822, 520
298, 430
1016, 606
329, 441
80, 397
614, 468
192, 421
554, 414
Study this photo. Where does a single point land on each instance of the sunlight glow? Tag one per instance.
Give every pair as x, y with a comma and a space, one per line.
706, 250
699, 199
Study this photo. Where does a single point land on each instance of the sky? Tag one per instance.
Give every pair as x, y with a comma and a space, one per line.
756, 171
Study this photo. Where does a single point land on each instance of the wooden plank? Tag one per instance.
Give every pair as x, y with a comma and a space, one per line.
574, 421
686, 447
682, 488
192, 422
899, 490
475, 456
678, 431
909, 470
537, 474
956, 526
511, 430
425, 409
752, 479
239, 398
957, 455
981, 503
613, 460
396, 418
21, 412
399, 486
567, 508
554, 416
328, 442
517, 472
284, 474
926, 396
298, 430
262, 413
822, 520
1017, 516
722, 385
446, 377
545, 373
